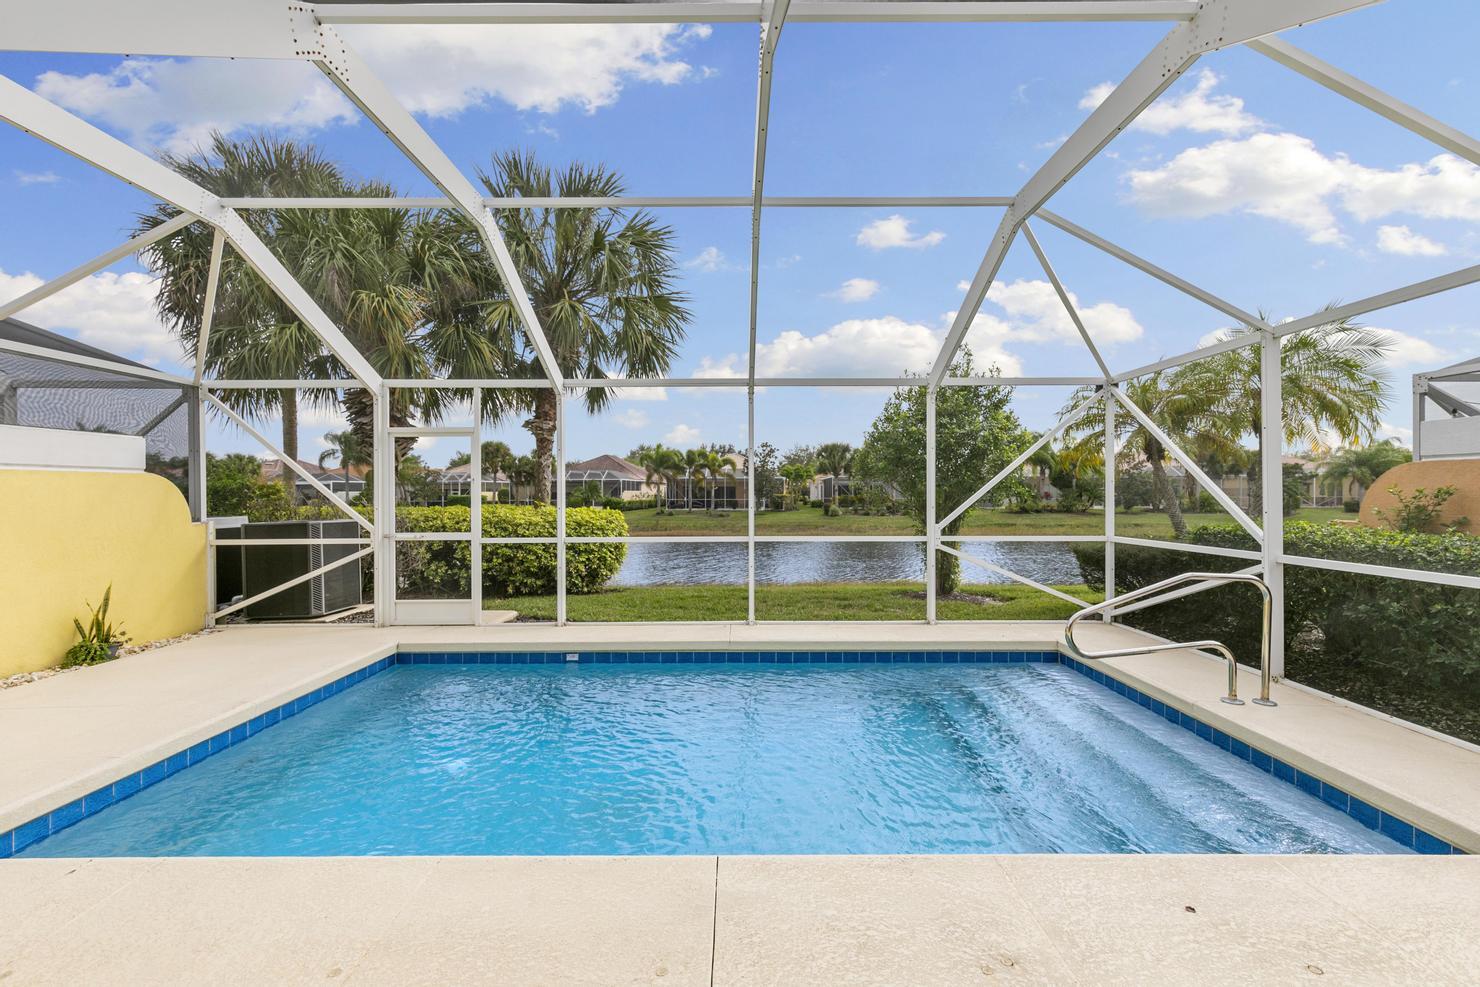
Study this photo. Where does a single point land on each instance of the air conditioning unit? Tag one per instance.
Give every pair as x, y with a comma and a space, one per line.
272, 565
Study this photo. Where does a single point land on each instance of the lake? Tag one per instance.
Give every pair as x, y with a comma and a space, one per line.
850, 562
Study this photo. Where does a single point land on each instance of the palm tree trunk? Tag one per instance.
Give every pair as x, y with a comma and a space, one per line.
542, 426
288, 399
1170, 502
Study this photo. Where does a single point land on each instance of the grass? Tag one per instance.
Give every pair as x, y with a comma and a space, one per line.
811, 521
799, 601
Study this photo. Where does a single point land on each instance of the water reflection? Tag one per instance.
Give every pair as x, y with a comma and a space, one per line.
812, 562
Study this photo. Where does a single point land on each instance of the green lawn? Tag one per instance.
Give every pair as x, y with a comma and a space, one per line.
811, 521
801, 601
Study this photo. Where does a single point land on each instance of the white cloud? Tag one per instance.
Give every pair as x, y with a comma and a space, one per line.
855, 290
1036, 315
1284, 177
894, 231
727, 368
36, 177
436, 71
1402, 240
882, 347
709, 260
682, 435
631, 418
112, 311
640, 393
1197, 109
175, 103
1411, 351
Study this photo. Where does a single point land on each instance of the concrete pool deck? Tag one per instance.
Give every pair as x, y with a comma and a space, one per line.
948, 919
1132, 920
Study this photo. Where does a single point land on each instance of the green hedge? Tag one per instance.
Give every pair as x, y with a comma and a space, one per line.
1427, 633
439, 569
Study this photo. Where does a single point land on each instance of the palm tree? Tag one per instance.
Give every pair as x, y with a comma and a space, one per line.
1162, 398
835, 458
709, 466
695, 461
601, 282
380, 274
254, 334
1362, 466
663, 464
1332, 378
346, 447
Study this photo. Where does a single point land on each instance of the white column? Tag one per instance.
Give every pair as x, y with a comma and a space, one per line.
750, 507
560, 507
1109, 614
932, 533
475, 508
383, 493
1271, 445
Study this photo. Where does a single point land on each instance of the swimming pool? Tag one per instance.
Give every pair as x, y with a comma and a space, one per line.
582, 758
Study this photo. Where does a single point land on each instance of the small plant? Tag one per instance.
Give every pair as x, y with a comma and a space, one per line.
1418, 512
98, 640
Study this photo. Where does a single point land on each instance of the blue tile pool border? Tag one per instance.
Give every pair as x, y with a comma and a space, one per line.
28, 834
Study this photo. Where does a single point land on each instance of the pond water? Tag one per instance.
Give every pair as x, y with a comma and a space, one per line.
813, 562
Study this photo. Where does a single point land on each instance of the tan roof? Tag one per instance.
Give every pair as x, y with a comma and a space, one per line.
608, 464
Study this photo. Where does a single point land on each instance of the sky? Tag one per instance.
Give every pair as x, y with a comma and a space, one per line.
1244, 178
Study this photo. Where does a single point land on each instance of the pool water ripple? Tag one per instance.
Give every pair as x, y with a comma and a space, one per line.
650, 759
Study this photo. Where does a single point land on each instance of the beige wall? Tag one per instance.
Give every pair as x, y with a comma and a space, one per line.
1463, 474
65, 535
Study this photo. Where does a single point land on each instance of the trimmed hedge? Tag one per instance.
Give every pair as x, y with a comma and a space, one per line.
1426, 633
439, 569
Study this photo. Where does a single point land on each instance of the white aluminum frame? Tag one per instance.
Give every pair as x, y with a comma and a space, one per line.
255, 29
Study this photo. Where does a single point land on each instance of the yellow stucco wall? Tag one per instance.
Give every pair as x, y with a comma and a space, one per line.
1430, 474
65, 535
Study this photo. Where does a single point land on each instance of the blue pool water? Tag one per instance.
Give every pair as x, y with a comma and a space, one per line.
653, 759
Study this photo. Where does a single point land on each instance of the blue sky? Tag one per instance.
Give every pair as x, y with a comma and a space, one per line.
1244, 178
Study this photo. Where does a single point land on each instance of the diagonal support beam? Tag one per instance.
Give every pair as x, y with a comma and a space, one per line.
1195, 471
291, 463
1217, 24
24, 109
1379, 102
1408, 293
1001, 571
208, 306
345, 68
158, 419
1146, 267
95, 265
1068, 302
1070, 418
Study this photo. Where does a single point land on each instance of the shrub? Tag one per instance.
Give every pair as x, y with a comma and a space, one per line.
1352, 506
439, 568
98, 639
1423, 632
1419, 511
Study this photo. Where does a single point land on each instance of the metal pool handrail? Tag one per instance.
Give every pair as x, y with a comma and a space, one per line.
1146, 649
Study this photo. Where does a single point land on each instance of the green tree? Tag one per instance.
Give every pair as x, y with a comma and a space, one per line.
1332, 378
1162, 397
767, 476
601, 281
662, 464
835, 458
348, 450
1362, 465
798, 476
977, 435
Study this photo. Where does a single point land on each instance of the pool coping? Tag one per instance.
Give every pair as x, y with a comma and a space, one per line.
1234, 738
